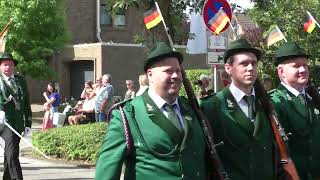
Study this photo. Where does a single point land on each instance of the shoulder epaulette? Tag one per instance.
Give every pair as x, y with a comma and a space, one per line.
270, 93
116, 106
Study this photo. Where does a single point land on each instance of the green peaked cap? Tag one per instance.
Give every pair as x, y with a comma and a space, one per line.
7, 56
241, 45
160, 51
289, 50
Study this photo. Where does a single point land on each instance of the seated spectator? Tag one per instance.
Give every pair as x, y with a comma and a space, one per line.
130, 91
143, 82
83, 115
84, 112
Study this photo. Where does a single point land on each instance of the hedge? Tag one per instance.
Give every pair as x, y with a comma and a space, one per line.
80, 142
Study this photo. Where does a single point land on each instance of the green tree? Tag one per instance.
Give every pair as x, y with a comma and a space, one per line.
173, 12
37, 32
289, 16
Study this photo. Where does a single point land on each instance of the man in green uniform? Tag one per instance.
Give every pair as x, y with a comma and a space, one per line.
298, 114
15, 109
161, 138
238, 119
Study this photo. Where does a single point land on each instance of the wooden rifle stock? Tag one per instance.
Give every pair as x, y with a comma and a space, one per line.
219, 173
286, 162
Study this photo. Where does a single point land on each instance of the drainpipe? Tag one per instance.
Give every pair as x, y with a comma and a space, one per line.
98, 28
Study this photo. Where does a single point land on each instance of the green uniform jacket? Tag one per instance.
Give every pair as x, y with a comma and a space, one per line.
161, 151
248, 149
303, 122
18, 118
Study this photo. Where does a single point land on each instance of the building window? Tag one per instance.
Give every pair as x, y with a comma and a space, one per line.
105, 17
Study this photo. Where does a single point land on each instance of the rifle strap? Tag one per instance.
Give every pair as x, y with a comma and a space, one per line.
129, 144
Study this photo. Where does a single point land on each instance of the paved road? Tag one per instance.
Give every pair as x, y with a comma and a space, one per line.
35, 169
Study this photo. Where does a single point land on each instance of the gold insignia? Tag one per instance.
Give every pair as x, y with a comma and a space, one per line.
316, 111
289, 97
149, 107
230, 103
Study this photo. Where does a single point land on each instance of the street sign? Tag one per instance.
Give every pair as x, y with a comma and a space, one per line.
216, 42
215, 57
211, 7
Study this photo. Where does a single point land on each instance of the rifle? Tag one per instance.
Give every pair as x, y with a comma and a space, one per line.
280, 136
312, 91
219, 172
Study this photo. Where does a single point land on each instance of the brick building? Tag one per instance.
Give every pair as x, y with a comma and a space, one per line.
100, 44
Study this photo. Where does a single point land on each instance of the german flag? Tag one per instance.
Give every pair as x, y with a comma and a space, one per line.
274, 36
219, 21
309, 25
152, 17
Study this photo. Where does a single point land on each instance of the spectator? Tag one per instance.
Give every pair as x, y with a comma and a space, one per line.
203, 83
130, 92
143, 82
87, 89
85, 112
46, 121
96, 87
104, 98
225, 78
53, 99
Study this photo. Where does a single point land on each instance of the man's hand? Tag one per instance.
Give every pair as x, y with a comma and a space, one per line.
2, 117
27, 131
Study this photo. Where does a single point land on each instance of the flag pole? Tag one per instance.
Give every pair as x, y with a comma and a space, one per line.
26, 141
6, 27
281, 34
313, 19
165, 27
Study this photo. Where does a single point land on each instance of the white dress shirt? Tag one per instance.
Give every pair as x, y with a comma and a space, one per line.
238, 95
294, 91
161, 102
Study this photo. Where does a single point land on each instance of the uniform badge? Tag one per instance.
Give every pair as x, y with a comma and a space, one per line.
316, 111
230, 103
289, 97
149, 107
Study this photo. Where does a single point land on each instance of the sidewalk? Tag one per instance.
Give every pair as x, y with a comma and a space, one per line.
36, 169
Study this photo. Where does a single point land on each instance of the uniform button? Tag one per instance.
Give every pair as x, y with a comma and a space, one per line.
264, 147
310, 141
198, 173
194, 153
310, 158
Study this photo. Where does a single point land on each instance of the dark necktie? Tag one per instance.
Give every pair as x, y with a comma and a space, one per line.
250, 102
302, 98
172, 115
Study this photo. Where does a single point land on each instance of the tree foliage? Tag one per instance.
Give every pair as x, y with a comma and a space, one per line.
289, 16
37, 32
173, 11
